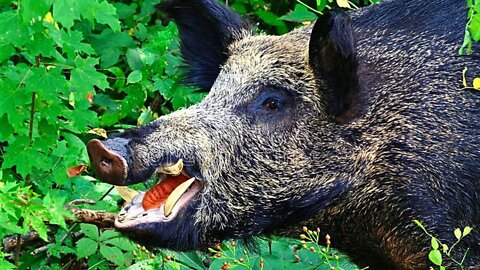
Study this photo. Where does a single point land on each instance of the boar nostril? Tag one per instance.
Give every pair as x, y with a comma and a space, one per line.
105, 162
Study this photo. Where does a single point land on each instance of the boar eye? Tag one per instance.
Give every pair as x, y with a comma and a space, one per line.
271, 104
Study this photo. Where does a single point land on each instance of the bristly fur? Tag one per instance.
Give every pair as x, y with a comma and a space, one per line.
371, 129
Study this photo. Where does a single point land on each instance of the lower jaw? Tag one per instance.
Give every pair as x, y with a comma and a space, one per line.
133, 214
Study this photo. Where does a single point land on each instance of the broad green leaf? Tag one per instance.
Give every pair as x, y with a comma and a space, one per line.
299, 14
89, 230
107, 14
458, 233
85, 76
65, 12
112, 254
34, 9
435, 257
13, 30
86, 247
192, 259
271, 19
134, 77
108, 234
122, 243
134, 58
466, 231
474, 27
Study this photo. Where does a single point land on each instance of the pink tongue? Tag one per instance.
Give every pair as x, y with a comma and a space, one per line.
157, 195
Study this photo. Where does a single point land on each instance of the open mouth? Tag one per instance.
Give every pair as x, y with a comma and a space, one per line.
163, 202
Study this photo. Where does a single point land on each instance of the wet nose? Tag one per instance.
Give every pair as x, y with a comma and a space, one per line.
108, 165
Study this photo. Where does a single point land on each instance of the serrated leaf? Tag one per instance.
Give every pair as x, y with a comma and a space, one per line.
108, 234
299, 14
458, 233
65, 12
34, 9
435, 257
86, 247
89, 230
107, 14
113, 254
85, 76
122, 243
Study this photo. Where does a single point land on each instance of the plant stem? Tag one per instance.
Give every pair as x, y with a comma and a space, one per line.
18, 248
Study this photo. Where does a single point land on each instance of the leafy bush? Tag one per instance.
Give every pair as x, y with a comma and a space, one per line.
441, 250
73, 70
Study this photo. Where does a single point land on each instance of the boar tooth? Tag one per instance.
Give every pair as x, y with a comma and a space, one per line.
175, 196
126, 193
174, 169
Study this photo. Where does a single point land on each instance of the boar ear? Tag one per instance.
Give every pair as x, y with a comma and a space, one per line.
206, 29
332, 56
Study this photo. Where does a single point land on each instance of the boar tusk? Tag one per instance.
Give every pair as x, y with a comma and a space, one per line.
175, 196
174, 169
126, 193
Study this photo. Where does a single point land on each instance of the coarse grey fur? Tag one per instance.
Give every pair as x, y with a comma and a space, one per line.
410, 150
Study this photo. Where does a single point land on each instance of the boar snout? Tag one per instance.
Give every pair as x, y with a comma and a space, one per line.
108, 163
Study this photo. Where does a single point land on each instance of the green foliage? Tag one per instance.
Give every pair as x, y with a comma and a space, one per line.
273, 254
441, 250
472, 29
67, 67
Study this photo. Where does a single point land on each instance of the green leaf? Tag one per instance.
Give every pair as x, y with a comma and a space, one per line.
299, 14
65, 12
458, 233
107, 14
474, 27
108, 234
85, 76
34, 9
86, 247
435, 257
134, 77
466, 231
134, 58
434, 243
89, 230
112, 254
191, 259
419, 224
122, 243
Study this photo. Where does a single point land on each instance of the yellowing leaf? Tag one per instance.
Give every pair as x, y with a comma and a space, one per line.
343, 3
476, 83
458, 233
48, 17
76, 170
98, 131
